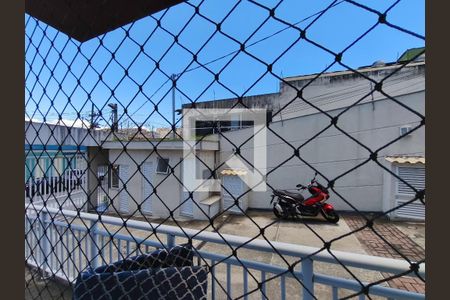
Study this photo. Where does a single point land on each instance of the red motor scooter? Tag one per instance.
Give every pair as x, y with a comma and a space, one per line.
287, 204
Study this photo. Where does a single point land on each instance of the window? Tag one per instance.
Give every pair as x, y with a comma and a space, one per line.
404, 130
115, 176
414, 176
163, 166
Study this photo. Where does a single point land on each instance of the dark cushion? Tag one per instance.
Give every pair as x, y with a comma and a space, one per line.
178, 256
187, 283
161, 274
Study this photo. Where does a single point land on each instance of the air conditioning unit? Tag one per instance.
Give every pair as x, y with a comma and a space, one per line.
404, 130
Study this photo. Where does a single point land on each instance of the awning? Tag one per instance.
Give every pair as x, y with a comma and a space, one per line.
406, 159
234, 172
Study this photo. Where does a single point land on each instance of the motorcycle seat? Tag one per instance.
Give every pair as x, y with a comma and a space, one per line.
296, 196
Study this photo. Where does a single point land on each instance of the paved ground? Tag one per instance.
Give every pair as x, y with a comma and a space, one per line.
295, 232
400, 240
409, 238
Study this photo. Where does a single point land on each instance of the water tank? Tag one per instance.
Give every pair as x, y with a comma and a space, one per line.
378, 63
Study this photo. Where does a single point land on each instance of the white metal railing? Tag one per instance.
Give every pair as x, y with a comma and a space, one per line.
71, 180
66, 249
68, 190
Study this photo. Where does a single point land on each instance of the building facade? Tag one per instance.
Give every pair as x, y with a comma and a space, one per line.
156, 187
371, 118
56, 165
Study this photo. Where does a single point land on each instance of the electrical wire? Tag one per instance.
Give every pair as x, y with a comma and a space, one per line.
263, 39
234, 52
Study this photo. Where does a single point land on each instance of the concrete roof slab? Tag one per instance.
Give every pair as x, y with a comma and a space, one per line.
86, 19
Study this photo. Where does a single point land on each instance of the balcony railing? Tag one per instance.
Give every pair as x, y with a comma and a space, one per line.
66, 248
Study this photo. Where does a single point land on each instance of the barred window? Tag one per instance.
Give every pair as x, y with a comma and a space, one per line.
115, 179
162, 166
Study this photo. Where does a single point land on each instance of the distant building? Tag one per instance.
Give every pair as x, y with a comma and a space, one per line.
166, 132
132, 133
56, 159
153, 187
52, 149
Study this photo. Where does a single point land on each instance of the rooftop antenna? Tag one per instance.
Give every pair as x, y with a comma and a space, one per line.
115, 126
93, 124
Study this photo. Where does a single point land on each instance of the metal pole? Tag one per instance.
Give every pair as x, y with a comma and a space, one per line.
308, 283
45, 240
92, 116
115, 126
94, 245
173, 77
170, 241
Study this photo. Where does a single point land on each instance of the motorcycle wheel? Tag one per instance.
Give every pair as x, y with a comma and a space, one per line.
278, 214
331, 216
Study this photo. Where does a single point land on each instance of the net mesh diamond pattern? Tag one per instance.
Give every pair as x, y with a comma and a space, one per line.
91, 106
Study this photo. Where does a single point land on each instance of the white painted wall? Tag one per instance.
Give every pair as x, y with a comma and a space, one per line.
332, 153
49, 134
169, 191
342, 89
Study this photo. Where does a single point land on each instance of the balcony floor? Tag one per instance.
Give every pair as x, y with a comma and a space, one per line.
38, 288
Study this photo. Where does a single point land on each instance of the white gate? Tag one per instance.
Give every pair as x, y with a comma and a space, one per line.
187, 207
235, 188
124, 196
147, 189
103, 189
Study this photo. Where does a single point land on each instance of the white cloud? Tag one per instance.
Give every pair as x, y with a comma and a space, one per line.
27, 119
71, 123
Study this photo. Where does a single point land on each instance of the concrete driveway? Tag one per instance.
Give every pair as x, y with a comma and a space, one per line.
308, 232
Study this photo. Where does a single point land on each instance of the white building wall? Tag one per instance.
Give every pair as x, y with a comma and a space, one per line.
169, 191
342, 89
332, 153
49, 134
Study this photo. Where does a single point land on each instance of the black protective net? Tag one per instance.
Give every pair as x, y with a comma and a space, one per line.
111, 122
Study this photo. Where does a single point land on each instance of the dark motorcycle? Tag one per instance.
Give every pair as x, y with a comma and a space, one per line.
287, 204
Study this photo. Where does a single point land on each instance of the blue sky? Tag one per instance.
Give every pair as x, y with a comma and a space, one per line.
334, 30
